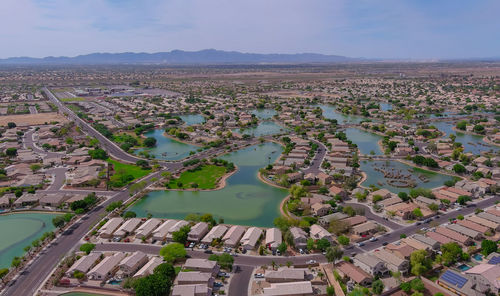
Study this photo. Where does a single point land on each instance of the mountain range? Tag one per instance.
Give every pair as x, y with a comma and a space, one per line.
180, 57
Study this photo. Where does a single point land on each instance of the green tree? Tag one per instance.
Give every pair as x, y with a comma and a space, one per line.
488, 247
150, 142
333, 253
11, 152
322, 244
378, 287
181, 235
98, 154
282, 248
172, 252
343, 240
462, 125
451, 252
129, 214
87, 248
458, 168
330, 291
58, 221
420, 262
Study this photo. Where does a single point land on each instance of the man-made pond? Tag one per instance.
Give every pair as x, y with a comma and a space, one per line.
264, 128
264, 114
330, 112
166, 148
392, 174
385, 106
245, 200
192, 119
471, 143
367, 142
18, 231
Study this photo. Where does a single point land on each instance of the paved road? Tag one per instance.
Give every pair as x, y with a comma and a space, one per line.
315, 166
33, 110
444, 218
59, 178
33, 276
30, 144
107, 144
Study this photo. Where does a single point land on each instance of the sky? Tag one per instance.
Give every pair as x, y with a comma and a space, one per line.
392, 29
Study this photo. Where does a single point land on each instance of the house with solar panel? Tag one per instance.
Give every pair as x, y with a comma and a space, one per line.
493, 258
461, 284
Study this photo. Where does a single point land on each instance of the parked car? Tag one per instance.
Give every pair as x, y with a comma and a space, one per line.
311, 262
373, 239
259, 275
361, 244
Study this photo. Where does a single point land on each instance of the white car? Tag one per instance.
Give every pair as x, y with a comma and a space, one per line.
311, 262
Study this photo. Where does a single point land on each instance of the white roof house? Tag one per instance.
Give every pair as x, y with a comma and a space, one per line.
318, 232
273, 238
147, 228
215, 233
198, 231
106, 267
289, 289
250, 238
161, 232
149, 267
127, 228
107, 230
233, 236
83, 264
132, 263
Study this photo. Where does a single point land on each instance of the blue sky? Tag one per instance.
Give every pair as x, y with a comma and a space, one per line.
416, 29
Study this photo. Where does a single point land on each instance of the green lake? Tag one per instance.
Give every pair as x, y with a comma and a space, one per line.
264, 128
471, 143
264, 113
192, 119
376, 177
245, 200
366, 141
166, 148
330, 112
18, 231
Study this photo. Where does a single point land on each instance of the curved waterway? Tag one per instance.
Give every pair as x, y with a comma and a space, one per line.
245, 200
471, 143
192, 119
422, 178
367, 142
264, 113
166, 148
330, 112
264, 128
18, 231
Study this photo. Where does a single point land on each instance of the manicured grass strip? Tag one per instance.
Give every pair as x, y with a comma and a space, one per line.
76, 99
122, 170
206, 177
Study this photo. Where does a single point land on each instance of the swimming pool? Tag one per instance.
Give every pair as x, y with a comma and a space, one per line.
464, 267
478, 257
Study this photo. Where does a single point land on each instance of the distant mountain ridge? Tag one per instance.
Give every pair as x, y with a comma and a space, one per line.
180, 57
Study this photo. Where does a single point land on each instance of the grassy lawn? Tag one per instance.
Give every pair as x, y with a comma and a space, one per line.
75, 99
206, 177
126, 173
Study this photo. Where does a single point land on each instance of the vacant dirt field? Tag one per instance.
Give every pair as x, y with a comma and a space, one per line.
32, 119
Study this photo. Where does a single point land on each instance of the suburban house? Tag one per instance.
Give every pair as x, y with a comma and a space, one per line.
299, 237
233, 236
107, 267
250, 238
273, 238
198, 231
132, 263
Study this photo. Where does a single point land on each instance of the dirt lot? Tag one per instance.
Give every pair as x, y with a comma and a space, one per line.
32, 119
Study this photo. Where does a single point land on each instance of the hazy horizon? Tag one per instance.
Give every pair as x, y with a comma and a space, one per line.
393, 29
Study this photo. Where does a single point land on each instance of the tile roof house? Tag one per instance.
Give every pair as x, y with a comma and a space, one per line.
250, 238
233, 236
487, 275
286, 274
356, 274
273, 238
299, 237
215, 233
203, 265
83, 264
392, 262
370, 264
131, 264
107, 267
198, 231
289, 289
